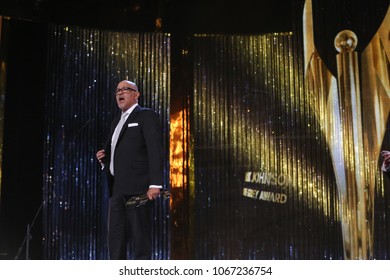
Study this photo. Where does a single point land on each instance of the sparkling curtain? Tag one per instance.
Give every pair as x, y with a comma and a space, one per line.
263, 175
261, 180
264, 180
84, 66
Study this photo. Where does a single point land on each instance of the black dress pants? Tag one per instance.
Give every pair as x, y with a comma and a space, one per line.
127, 225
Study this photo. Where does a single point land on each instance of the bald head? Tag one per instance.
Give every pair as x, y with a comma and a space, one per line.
130, 83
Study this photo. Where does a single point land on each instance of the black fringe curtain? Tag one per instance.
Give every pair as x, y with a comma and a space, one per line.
84, 66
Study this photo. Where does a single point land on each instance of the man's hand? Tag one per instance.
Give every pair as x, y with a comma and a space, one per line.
153, 193
100, 155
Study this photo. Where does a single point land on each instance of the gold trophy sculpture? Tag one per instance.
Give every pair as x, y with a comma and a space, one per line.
353, 118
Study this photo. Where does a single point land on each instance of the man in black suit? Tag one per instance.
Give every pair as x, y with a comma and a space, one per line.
133, 161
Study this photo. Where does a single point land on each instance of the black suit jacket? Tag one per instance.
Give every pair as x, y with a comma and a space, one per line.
138, 159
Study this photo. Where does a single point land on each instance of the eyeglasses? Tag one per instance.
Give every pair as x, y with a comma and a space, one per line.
124, 90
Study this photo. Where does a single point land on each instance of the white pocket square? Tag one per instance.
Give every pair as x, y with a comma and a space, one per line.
132, 124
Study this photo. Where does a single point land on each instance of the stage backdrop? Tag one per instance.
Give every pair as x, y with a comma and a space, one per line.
279, 143
84, 66
264, 182
256, 169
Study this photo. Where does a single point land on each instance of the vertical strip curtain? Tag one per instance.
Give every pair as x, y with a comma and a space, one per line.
262, 175
84, 66
264, 180
265, 188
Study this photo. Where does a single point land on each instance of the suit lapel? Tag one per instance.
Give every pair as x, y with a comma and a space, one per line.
130, 119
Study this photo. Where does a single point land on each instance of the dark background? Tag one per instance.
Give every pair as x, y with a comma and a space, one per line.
24, 47
201, 16
21, 192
